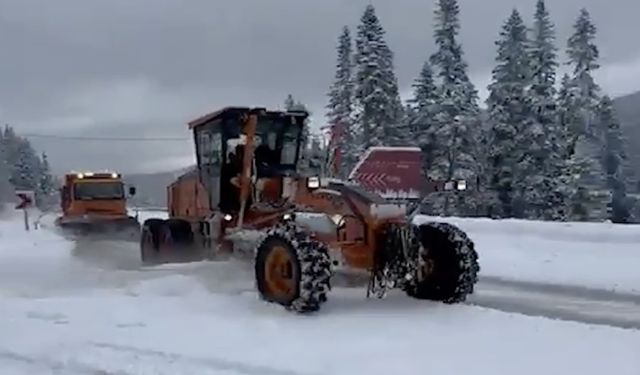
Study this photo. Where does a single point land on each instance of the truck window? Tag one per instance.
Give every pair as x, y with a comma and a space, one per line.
290, 145
98, 190
209, 147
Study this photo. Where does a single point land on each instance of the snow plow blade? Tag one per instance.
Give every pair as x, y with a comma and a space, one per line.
121, 228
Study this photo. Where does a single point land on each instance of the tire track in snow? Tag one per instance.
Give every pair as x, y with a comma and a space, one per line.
53, 366
572, 303
564, 289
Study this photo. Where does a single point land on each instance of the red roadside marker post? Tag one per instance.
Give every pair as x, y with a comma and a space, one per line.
26, 198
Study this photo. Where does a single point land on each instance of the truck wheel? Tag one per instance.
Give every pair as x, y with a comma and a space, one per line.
183, 247
150, 240
292, 269
449, 267
181, 232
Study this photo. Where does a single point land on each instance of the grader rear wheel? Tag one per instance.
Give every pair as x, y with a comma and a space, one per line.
292, 269
165, 241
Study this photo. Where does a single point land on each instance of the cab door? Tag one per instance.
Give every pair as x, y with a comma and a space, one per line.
209, 155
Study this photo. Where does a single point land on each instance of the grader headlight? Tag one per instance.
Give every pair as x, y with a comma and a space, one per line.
313, 182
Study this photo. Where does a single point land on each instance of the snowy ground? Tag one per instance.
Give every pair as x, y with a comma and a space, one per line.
91, 309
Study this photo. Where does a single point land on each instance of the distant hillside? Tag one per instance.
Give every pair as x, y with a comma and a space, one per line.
628, 109
151, 187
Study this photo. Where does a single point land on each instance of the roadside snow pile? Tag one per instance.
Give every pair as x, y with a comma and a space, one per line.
31, 260
593, 255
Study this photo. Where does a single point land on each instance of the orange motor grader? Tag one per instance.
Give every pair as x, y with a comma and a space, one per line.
300, 230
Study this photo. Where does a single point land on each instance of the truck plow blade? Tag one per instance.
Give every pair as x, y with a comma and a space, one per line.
124, 229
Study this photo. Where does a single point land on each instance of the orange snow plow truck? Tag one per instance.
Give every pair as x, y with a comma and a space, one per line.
95, 203
248, 197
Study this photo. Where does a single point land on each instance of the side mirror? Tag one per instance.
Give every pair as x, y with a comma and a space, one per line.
132, 190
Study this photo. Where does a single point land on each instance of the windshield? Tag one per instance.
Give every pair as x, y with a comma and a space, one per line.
290, 145
98, 190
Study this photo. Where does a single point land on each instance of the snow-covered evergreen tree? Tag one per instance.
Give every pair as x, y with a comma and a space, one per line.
46, 185
613, 158
457, 116
552, 163
421, 112
583, 57
340, 107
567, 116
378, 108
584, 131
515, 145
591, 198
5, 185
26, 169
456, 122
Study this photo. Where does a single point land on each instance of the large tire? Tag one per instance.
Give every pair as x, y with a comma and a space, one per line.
452, 264
164, 241
152, 234
304, 264
181, 232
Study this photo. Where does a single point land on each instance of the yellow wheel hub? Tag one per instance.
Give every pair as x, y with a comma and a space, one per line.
280, 274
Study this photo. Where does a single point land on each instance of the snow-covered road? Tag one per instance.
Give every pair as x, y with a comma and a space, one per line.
89, 308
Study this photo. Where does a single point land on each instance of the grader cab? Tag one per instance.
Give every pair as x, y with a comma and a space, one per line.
247, 197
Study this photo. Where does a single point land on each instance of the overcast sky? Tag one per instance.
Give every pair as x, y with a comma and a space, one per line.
146, 67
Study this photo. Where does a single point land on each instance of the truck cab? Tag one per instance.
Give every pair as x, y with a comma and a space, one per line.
94, 194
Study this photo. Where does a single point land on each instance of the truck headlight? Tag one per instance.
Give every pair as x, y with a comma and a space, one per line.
313, 182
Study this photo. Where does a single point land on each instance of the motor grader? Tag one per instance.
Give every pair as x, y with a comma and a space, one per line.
246, 194
94, 204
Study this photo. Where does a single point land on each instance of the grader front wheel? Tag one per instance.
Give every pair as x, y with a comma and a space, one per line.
449, 266
292, 269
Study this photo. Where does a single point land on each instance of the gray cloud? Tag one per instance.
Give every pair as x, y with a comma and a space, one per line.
145, 68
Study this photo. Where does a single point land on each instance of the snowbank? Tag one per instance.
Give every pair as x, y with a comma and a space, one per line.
595, 255
30, 260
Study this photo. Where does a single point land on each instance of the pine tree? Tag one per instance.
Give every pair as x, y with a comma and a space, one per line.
583, 56
46, 186
512, 159
26, 168
613, 158
552, 163
378, 108
584, 131
456, 122
567, 116
421, 112
5, 185
458, 111
340, 107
